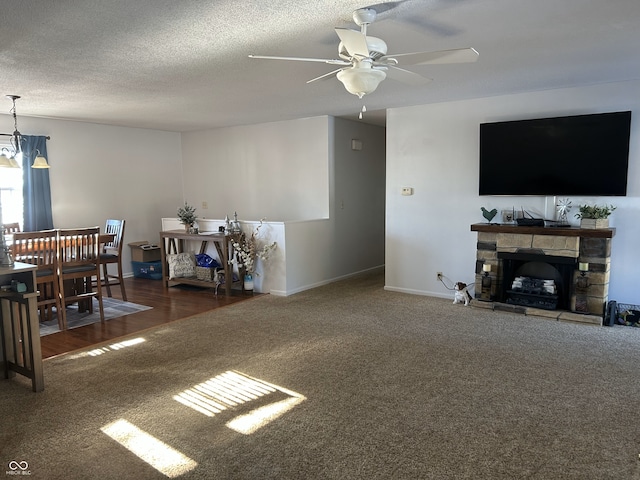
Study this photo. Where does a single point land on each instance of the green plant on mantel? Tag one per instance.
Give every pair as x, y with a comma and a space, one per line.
595, 211
187, 214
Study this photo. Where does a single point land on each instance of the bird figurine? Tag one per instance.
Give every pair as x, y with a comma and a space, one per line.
488, 214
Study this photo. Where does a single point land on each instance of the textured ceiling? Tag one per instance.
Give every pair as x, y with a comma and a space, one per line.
183, 65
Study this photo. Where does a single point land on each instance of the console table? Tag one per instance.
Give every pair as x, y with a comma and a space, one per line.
172, 241
20, 349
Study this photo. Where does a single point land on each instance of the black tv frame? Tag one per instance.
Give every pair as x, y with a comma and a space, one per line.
579, 155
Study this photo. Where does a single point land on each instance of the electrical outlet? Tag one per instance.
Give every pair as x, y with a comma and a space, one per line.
439, 275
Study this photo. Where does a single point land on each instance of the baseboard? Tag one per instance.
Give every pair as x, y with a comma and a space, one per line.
286, 293
424, 293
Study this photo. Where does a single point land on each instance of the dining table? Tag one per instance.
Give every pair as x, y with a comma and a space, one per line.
103, 238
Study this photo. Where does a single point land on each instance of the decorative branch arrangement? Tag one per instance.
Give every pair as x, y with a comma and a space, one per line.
247, 251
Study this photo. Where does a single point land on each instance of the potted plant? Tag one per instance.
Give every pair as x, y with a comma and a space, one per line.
594, 216
187, 216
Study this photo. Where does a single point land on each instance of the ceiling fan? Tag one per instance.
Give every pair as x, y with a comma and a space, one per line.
364, 62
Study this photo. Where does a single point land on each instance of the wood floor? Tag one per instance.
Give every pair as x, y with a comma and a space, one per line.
169, 305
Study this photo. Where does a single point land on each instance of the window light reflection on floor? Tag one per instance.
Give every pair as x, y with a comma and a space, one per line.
156, 453
250, 422
106, 349
231, 390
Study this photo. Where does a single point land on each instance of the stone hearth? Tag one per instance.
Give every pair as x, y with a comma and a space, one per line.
497, 242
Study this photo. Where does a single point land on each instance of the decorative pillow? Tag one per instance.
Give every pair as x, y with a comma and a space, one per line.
181, 265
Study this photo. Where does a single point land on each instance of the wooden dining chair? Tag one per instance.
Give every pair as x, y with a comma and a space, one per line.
41, 249
112, 255
11, 227
79, 261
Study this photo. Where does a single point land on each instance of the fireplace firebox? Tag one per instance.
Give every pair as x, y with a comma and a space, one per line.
533, 279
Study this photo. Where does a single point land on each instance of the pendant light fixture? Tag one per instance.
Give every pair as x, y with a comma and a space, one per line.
9, 156
9, 159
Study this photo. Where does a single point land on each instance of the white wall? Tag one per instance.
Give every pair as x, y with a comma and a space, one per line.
277, 171
290, 171
359, 196
99, 172
329, 197
434, 148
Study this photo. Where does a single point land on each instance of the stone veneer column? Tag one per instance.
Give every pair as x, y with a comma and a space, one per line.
486, 252
596, 252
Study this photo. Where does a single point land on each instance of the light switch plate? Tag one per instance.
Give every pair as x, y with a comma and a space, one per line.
407, 191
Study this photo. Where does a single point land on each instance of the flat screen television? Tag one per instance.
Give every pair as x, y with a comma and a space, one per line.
583, 155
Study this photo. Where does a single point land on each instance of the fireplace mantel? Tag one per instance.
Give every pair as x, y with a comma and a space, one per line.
557, 231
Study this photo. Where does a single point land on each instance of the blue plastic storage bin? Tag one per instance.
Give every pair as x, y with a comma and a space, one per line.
152, 270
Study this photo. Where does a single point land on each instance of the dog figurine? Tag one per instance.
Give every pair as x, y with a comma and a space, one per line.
461, 294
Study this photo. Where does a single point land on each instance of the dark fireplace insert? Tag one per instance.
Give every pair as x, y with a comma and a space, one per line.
532, 279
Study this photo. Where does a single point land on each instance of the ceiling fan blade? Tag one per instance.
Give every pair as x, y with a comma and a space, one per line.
324, 76
303, 59
354, 42
459, 55
405, 76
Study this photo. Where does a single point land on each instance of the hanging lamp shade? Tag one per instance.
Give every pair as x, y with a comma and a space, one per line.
4, 161
7, 160
40, 162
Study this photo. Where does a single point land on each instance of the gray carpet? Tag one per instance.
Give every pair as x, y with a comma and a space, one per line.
113, 308
351, 382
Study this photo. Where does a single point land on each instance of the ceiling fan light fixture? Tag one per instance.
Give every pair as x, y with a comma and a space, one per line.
360, 81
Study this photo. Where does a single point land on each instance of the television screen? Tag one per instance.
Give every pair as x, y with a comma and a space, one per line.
585, 155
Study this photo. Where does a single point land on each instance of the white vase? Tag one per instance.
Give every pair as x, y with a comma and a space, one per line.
248, 281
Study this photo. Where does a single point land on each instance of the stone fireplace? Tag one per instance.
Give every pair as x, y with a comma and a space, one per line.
534, 270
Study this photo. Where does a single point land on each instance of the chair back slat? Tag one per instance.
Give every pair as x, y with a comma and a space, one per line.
11, 227
115, 227
78, 247
37, 248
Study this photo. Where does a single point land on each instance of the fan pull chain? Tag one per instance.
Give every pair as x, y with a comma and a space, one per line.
364, 109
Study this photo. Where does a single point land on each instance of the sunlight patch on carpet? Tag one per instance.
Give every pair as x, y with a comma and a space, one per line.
233, 391
159, 455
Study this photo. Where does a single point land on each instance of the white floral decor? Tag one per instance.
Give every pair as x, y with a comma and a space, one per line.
247, 250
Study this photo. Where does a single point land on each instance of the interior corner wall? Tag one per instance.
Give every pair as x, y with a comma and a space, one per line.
435, 149
359, 195
278, 171
100, 171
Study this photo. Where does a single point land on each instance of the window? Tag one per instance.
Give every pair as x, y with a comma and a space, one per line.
11, 192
